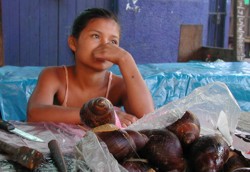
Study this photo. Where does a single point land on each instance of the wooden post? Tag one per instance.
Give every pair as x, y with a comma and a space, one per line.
239, 33
1, 37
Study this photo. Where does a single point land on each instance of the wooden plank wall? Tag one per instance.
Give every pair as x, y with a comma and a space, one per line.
35, 31
239, 33
1, 37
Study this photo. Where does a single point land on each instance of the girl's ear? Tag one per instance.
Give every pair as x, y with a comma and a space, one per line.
72, 43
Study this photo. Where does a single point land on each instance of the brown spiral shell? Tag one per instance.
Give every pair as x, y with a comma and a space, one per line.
163, 150
137, 165
187, 129
139, 139
119, 143
208, 153
97, 111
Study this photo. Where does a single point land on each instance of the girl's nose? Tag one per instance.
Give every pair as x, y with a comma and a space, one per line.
105, 41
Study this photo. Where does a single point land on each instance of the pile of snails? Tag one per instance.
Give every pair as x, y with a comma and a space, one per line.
178, 147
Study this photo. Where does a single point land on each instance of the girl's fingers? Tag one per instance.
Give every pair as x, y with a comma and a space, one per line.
126, 123
125, 118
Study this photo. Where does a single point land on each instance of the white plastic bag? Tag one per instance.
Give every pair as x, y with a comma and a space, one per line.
96, 155
213, 104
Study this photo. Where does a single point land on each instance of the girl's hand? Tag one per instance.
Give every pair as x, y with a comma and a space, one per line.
111, 53
125, 118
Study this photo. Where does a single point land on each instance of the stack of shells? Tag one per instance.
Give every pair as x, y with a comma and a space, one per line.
178, 147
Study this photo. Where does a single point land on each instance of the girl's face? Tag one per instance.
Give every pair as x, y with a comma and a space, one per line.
98, 31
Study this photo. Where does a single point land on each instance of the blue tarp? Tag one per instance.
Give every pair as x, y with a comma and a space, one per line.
166, 81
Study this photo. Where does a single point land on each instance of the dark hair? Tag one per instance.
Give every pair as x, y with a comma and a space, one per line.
84, 18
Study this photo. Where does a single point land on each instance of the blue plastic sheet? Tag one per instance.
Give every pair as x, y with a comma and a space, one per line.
166, 81
16, 86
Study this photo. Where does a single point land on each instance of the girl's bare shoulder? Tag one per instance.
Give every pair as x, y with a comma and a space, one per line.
55, 73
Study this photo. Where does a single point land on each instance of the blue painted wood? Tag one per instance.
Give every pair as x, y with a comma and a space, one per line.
107, 4
48, 52
29, 29
36, 31
67, 13
11, 34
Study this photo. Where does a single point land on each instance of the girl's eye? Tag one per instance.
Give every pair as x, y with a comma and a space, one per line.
95, 36
114, 42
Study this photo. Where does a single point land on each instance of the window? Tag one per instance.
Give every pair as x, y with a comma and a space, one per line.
216, 23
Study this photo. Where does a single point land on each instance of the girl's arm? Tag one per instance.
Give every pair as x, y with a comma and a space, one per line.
40, 105
137, 99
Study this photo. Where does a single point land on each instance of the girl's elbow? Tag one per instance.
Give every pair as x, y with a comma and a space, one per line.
147, 111
30, 116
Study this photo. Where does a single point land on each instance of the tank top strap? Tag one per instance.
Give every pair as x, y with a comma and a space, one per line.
67, 87
109, 84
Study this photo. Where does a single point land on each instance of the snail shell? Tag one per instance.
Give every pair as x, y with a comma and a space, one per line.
163, 150
97, 111
187, 129
119, 143
208, 153
137, 165
236, 162
123, 144
139, 139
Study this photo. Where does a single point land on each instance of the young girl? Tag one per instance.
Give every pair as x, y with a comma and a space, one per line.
61, 91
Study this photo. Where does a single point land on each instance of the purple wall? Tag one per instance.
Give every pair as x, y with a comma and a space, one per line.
152, 35
35, 32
